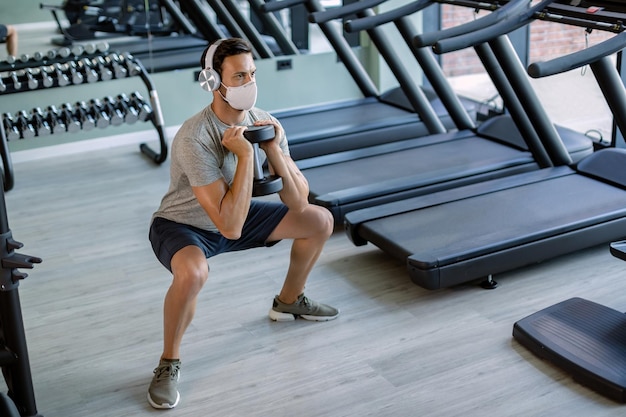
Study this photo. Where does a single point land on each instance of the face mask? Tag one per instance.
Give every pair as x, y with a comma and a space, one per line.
242, 97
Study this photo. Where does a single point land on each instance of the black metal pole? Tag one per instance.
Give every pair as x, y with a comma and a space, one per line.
14, 358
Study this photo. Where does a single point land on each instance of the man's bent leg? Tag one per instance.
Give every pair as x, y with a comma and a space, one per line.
190, 272
309, 229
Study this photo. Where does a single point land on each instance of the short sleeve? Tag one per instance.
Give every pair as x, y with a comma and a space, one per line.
197, 161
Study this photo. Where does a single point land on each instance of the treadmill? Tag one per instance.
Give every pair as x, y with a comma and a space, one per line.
353, 124
503, 145
472, 232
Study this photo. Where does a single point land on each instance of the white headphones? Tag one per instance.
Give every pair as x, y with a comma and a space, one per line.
209, 78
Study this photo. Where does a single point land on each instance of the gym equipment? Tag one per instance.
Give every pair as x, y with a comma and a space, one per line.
584, 338
353, 124
263, 184
90, 19
14, 359
502, 145
7, 407
472, 232
79, 66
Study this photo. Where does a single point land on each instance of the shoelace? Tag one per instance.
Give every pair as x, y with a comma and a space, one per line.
304, 301
166, 372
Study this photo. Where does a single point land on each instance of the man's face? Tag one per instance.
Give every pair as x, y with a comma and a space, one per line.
238, 70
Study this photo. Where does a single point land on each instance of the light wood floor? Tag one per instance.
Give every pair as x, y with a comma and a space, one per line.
92, 313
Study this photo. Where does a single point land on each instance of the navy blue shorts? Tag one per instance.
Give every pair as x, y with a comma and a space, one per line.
4, 31
168, 237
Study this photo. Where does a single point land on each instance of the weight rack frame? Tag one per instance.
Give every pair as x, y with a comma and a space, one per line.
28, 64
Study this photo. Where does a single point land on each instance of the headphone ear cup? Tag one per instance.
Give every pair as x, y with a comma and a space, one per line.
209, 79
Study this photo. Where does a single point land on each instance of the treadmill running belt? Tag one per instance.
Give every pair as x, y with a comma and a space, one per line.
583, 338
454, 157
360, 117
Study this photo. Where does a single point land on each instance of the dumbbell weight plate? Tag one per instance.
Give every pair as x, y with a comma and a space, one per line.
268, 185
257, 134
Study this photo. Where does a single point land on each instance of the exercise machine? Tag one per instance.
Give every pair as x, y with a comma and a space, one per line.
89, 19
345, 125
584, 338
472, 232
501, 146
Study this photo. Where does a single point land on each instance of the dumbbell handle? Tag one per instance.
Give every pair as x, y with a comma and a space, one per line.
256, 135
258, 168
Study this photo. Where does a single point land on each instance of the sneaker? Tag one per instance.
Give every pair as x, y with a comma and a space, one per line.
303, 307
163, 391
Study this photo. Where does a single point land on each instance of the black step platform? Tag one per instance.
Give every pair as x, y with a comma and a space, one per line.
585, 339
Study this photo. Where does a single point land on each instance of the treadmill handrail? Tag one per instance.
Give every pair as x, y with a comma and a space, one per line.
275, 6
509, 24
365, 23
579, 58
512, 8
343, 11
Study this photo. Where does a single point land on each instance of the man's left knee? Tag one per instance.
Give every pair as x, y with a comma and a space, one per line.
324, 219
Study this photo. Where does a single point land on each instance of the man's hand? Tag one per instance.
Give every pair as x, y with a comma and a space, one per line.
278, 133
234, 141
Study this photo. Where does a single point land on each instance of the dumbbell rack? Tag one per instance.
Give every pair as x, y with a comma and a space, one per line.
76, 67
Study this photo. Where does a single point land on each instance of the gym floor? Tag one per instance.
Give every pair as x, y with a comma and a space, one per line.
92, 309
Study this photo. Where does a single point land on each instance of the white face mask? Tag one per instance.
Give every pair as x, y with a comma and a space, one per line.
242, 97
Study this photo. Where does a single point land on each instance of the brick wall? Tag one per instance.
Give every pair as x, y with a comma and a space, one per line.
547, 40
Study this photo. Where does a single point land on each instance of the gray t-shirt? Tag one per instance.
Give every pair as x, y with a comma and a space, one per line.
199, 158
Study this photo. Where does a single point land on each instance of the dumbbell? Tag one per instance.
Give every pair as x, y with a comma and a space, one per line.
10, 127
37, 119
81, 113
130, 113
131, 67
113, 60
77, 50
115, 114
69, 118
143, 108
32, 82
105, 73
97, 110
64, 52
61, 76
53, 117
26, 128
46, 79
17, 84
262, 185
84, 65
77, 76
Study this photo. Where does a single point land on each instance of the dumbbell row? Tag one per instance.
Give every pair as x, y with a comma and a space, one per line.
85, 70
72, 118
63, 53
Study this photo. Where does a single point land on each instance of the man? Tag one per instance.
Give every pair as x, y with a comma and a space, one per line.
208, 208
8, 35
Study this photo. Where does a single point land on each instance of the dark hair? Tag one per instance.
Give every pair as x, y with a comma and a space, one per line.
228, 47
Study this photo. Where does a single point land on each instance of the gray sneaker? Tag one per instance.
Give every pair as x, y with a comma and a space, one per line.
163, 391
303, 307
